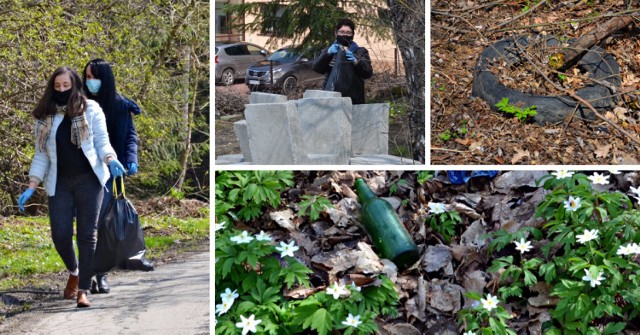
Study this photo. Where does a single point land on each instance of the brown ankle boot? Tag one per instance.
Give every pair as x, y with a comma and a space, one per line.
71, 291
83, 300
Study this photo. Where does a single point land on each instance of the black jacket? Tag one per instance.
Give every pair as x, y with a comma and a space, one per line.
122, 133
324, 64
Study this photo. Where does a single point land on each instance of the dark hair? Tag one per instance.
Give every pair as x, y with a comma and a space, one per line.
346, 22
77, 100
106, 96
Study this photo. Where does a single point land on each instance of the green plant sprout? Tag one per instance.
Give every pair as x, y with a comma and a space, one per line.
442, 221
315, 204
521, 114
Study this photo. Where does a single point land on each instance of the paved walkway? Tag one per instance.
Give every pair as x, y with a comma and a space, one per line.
173, 299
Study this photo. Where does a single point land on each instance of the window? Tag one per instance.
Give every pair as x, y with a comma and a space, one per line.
236, 50
223, 24
272, 14
254, 50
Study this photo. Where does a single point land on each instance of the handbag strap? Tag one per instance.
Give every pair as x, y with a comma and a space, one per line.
115, 188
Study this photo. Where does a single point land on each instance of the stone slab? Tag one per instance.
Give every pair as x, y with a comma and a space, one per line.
321, 94
243, 138
323, 160
326, 127
266, 98
275, 136
382, 160
230, 159
370, 129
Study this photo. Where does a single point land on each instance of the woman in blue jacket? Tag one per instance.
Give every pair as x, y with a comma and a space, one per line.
99, 82
72, 152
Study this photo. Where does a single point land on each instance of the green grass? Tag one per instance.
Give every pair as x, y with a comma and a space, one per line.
26, 248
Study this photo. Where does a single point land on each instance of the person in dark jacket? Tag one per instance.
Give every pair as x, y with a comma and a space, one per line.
357, 56
99, 83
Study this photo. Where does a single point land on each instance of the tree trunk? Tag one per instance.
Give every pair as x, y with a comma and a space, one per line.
572, 54
408, 23
189, 107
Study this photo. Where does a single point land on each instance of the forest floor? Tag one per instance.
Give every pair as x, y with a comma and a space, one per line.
431, 292
384, 87
465, 131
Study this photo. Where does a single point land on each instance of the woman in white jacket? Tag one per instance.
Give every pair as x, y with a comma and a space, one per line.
71, 157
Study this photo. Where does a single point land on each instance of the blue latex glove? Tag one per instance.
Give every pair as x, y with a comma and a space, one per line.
24, 197
462, 177
350, 56
132, 168
334, 49
116, 168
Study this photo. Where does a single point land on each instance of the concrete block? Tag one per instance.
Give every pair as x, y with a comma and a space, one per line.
321, 94
243, 138
275, 136
266, 98
230, 159
314, 159
326, 127
382, 160
370, 129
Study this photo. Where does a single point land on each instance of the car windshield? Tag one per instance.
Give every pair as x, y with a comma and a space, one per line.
283, 55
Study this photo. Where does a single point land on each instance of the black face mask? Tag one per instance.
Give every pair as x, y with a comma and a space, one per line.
61, 98
344, 40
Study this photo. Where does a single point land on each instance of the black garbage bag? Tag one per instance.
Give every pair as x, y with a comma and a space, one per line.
343, 78
120, 237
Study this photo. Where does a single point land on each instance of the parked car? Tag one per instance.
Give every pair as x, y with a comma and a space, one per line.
290, 67
232, 60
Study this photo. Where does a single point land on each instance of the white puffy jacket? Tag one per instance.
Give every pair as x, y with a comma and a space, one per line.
96, 148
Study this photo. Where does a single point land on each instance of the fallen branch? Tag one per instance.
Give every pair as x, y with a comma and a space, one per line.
577, 98
570, 55
521, 14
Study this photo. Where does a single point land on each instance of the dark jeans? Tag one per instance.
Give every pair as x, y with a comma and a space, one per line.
81, 195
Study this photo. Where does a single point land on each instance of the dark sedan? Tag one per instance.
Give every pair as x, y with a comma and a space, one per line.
283, 71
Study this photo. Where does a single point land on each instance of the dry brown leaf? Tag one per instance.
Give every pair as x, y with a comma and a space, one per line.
465, 141
602, 151
520, 154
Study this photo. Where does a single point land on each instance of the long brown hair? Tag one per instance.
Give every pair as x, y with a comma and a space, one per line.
77, 100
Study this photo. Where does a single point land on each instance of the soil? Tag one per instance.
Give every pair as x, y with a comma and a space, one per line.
383, 87
465, 131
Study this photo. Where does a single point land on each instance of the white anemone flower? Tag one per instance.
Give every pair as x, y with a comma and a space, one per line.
593, 281
263, 236
600, 179
587, 236
352, 321
523, 246
572, 204
561, 174
490, 303
287, 249
337, 290
436, 208
248, 324
242, 238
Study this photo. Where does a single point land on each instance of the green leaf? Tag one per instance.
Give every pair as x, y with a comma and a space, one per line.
321, 321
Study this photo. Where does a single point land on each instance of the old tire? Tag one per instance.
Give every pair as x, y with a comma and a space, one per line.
227, 78
289, 85
551, 109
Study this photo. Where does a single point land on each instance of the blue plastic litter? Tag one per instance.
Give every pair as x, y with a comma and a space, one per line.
462, 177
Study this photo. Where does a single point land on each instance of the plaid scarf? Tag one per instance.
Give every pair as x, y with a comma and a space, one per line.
79, 129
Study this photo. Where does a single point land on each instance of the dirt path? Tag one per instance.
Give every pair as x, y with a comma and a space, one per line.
173, 299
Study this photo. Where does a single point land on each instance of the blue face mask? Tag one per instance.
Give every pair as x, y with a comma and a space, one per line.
94, 85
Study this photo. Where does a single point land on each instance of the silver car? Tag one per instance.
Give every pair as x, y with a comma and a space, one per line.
232, 60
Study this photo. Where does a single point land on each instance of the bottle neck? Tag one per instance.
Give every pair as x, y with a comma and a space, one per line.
364, 192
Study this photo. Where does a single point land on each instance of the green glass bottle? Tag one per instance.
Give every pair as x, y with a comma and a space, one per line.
388, 234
